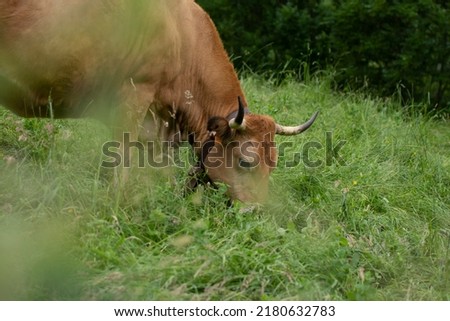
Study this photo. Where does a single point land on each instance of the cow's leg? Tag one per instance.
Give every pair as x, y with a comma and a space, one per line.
136, 100
158, 135
15, 98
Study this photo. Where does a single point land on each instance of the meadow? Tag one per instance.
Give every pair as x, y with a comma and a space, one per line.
359, 209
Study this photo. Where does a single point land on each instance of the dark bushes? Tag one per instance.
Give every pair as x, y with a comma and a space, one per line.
385, 46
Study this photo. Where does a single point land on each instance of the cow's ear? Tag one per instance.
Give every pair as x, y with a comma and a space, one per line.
220, 126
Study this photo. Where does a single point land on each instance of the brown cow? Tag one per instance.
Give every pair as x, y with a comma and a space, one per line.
120, 61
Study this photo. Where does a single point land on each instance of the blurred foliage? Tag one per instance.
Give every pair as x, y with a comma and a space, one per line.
389, 47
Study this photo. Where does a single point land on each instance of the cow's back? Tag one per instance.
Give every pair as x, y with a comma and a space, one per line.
79, 51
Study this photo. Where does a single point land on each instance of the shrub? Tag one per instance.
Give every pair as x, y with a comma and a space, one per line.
384, 46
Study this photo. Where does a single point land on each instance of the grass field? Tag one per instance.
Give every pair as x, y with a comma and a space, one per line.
369, 222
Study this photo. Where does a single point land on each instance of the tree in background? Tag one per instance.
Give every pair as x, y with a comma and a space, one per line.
385, 46
395, 44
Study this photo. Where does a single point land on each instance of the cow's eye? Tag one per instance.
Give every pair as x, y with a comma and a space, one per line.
245, 164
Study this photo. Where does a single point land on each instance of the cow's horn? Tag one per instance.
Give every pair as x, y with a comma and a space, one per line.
295, 130
239, 122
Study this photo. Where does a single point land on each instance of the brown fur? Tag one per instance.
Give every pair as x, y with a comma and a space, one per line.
254, 145
122, 61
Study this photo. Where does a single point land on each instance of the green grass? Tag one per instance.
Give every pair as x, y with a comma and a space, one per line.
374, 228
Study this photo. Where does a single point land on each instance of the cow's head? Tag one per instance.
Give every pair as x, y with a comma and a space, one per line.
242, 152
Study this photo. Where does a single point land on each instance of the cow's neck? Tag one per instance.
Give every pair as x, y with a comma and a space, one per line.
208, 85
